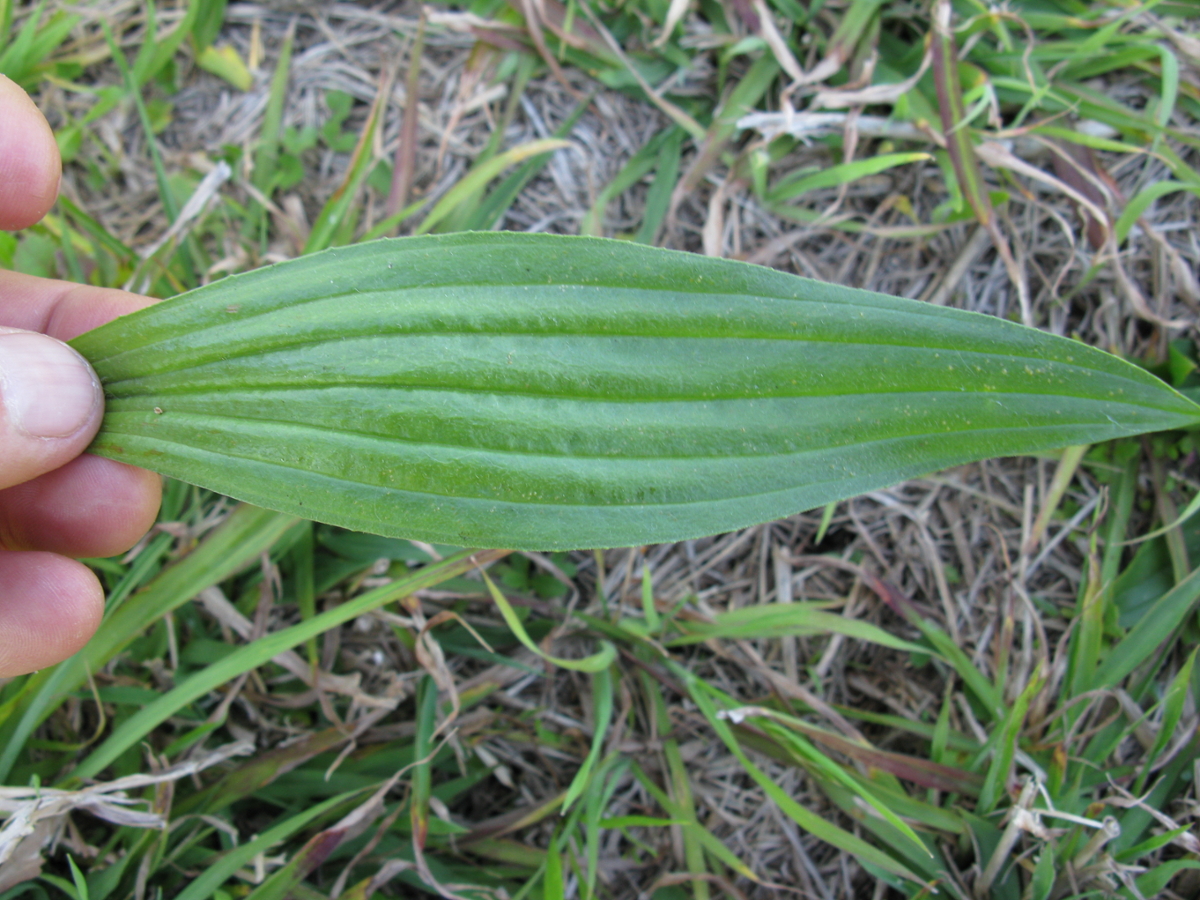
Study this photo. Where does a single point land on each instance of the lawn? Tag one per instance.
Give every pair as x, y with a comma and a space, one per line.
976, 684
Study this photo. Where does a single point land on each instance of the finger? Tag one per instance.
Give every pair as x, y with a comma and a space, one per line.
59, 308
30, 166
89, 507
49, 607
65, 310
51, 404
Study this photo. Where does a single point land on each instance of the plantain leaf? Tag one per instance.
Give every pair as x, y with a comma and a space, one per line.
544, 392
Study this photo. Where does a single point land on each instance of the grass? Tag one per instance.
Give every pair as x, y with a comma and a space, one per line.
981, 684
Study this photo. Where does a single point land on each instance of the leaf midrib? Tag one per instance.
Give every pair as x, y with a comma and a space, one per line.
113, 392
966, 357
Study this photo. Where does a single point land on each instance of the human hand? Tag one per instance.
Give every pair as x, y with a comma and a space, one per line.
54, 503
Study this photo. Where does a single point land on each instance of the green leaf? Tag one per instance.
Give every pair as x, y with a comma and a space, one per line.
549, 392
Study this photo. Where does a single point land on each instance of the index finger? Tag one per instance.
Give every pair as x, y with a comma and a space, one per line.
30, 166
61, 309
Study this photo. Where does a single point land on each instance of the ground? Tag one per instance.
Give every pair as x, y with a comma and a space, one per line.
1003, 570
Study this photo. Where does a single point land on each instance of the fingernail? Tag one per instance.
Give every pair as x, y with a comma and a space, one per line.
47, 389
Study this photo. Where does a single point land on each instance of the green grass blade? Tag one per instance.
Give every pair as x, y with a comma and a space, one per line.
798, 619
658, 198
1126, 454
258, 772
266, 156
954, 115
1172, 704
912, 768
1170, 86
1154, 843
828, 772
100, 236
475, 180
155, 53
334, 214
844, 173
422, 771
389, 224
210, 17
1003, 749
1141, 201
170, 204
1190, 510
680, 803
747, 91
697, 839
166, 194
920, 858
602, 707
67, 247
1153, 883
21, 58
552, 882
304, 584
6, 16
81, 887
1087, 637
806, 819
635, 169
610, 776
597, 662
1158, 623
502, 197
975, 681
653, 622
16, 60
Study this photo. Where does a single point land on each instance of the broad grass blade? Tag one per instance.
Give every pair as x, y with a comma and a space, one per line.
549, 392
1154, 627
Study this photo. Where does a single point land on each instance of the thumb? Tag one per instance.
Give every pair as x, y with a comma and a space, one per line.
51, 404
